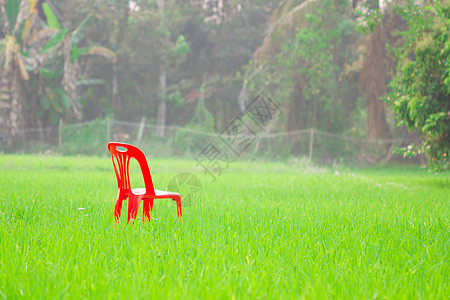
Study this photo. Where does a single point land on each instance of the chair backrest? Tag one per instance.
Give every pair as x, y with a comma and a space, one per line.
121, 154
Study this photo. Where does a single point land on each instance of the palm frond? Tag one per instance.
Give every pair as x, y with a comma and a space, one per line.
286, 19
105, 52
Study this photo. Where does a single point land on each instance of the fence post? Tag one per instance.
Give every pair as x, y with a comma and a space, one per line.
141, 130
311, 144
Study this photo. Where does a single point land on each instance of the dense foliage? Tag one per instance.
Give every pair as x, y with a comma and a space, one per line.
196, 64
421, 89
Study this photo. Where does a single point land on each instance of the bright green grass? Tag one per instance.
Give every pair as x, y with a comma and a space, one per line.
262, 230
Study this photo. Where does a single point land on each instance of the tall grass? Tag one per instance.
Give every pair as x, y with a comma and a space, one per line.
262, 230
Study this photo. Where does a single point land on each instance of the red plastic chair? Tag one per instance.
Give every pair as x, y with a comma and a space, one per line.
121, 154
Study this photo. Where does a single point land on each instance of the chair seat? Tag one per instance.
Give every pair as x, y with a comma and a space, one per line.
141, 191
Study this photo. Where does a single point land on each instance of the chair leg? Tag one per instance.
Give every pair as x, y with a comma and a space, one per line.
179, 209
146, 210
178, 201
118, 208
133, 206
151, 205
130, 208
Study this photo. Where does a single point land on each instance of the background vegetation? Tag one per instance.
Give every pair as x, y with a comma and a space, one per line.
196, 64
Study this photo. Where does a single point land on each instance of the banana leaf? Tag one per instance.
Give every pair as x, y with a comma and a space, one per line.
74, 53
22, 69
55, 40
52, 19
63, 97
102, 51
42, 34
27, 27
53, 97
48, 73
53, 117
78, 34
12, 11
45, 102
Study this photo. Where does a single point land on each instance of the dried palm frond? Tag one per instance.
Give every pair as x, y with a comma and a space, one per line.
10, 45
21, 65
42, 34
4, 16
32, 12
287, 18
102, 51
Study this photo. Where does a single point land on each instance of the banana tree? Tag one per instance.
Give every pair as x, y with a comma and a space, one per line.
20, 22
62, 77
38, 60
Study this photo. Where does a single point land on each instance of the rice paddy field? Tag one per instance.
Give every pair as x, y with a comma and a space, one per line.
260, 231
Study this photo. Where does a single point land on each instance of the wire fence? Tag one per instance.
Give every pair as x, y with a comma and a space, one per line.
90, 138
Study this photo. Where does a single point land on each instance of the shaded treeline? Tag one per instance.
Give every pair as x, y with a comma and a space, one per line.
197, 63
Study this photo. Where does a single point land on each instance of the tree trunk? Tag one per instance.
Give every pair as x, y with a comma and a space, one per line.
373, 84
11, 106
123, 25
5, 137
161, 117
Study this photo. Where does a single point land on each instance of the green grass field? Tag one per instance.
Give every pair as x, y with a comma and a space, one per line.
262, 230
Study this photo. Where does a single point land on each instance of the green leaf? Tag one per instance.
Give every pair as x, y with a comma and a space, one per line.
48, 73
81, 102
12, 11
55, 40
447, 83
79, 33
181, 46
52, 96
63, 97
41, 113
91, 81
52, 19
176, 99
45, 102
53, 116
83, 51
74, 53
